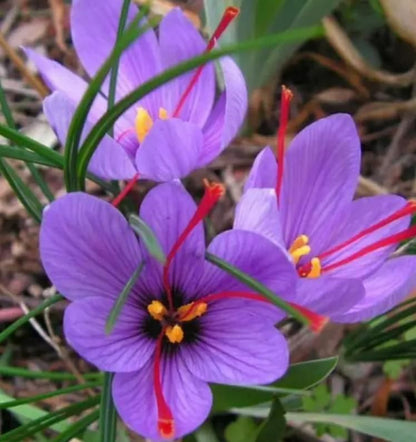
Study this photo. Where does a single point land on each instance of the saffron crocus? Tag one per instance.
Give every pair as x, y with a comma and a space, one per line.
184, 324
171, 131
340, 248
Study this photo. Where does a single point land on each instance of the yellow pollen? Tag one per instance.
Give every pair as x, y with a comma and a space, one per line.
190, 311
315, 271
156, 310
163, 113
299, 248
174, 334
143, 123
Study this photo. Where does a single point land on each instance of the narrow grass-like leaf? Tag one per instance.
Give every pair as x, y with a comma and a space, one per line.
40, 397
28, 412
108, 414
77, 427
122, 298
110, 117
32, 168
36, 311
148, 237
33, 427
257, 286
51, 375
26, 155
273, 427
23, 193
94, 87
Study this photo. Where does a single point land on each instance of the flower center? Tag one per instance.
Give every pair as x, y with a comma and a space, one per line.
301, 248
171, 322
144, 122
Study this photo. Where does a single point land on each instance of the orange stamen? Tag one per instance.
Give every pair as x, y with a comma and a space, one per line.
213, 192
286, 98
408, 209
393, 239
228, 16
316, 322
120, 197
165, 421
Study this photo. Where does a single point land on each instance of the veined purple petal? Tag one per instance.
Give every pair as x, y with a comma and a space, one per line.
319, 179
94, 28
87, 247
363, 213
263, 174
328, 296
384, 289
170, 150
237, 346
179, 40
257, 212
167, 209
252, 254
125, 349
228, 113
189, 398
110, 161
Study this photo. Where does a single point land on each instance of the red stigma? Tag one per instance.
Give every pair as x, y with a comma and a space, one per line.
408, 209
390, 240
316, 322
286, 98
213, 192
120, 197
228, 16
165, 421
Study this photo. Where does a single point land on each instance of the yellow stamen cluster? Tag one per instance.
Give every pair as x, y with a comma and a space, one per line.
300, 247
187, 312
144, 122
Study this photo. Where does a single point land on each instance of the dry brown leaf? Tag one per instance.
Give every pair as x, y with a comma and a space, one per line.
27, 34
59, 18
342, 44
401, 15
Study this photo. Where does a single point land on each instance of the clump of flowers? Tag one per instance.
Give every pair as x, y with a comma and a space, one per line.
341, 248
184, 324
171, 131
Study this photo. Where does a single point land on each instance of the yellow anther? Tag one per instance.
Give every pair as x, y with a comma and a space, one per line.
174, 334
143, 123
315, 271
298, 253
156, 310
188, 312
163, 113
300, 241
299, 248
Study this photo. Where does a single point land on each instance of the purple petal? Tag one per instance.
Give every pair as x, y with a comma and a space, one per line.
328, 296
110, 161
167, 209
179, 41
237, 346
252, 254
125, 349
94, 28
319, 179
257, 212
228, 114
384, 289
362, 214
189, 398
87, 247
170, 150
263, 174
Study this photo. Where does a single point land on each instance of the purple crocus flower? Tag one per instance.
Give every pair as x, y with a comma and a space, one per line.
171, 131
184, 324
341, 248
